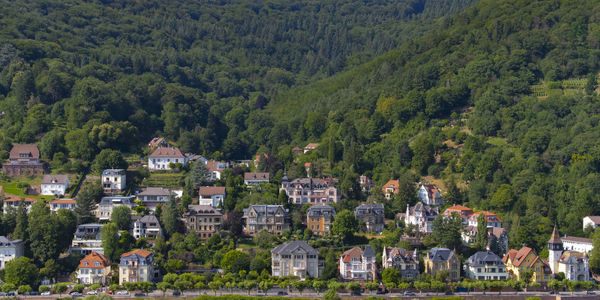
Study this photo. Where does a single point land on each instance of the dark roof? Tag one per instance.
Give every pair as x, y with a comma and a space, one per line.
167, 152
262, 210
294, 247
149, 219
440, 254
202, 210
154, 191
482, 258
126, 200
113, 172
256, 176
320, 210
6, 242
20, 151
367, 209
576, 239
368, 252
55, 179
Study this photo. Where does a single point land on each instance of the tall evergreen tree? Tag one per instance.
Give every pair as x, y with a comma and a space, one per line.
168, 217
595, 256
43, 232
481, 239
199, 175
87, 199
110, 241
21, 222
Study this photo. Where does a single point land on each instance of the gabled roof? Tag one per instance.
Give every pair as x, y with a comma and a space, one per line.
91, 259
211, 190
367, 209
21, 151
391, 184
460, 209
154, 191
294, 247
482, 258
202, 210
440, 254
149, 219
55, 179
595, 219
355, 252
216, 166
393, 253
311, 146
6, 242
167, 152
140, 252
63, 201
517, 257
488, 216
265, 210
431, 190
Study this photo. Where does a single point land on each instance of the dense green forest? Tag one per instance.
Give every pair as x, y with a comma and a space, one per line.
385, 89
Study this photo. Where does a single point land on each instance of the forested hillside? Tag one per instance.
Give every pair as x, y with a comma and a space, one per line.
453, 100
457, 105
112, 74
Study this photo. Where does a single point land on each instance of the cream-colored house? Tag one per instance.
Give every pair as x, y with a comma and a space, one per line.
136, 266
94, 268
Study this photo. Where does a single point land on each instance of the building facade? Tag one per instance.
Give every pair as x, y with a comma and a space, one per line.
442, 259
485, 265
136, 266
406, 262
147, 227
87, 239
252, 178
591, 221
163, 157
526, 259
356, 264
204, 220
211, 195
54, 185
9, 250
371, 215
94, 268
104, 210
575, 265
68, 204
271, 218
577, 244
491, 218
390, 188
310, 191
430, 195
319, 219
24, 159
114, 181
295, 258
422, 216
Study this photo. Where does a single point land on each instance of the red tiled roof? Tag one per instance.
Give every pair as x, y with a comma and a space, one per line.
391, 184
460, 209
17, 199
167, 152
211, 190
488, 215
555, 237
311, 146
355, 252
67, 201
595, 219
91, 259
576, 239
140, 252
31, 150
256, 175
517, 257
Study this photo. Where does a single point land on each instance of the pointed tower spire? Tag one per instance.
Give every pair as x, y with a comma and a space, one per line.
555, 238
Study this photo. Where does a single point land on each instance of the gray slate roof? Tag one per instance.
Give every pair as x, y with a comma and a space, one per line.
368, 209
113, 172
368, 252
263, 210
6, 242
320, 210
483, 258
294, 247
440, 254
126, 200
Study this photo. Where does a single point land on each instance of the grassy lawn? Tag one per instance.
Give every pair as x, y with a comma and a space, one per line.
168, 180
10, 185
497, 141
246, 243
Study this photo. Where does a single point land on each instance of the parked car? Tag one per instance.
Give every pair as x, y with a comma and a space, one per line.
76, 294
92, 293
355, 293
590, 293
409, 293
176, 293
10, 294
46, 294
282, 293
139, 295
122, 293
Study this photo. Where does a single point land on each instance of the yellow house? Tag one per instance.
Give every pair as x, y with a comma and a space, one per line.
442, 259
525, 259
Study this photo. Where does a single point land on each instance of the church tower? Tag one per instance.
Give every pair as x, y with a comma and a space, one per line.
555, 249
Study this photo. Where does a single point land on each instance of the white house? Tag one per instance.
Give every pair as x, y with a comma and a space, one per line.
421, 216
153, 196
215, 168
491, 218
68, 204
211, 195
577, 244
430, 195
163, 157
54, 184
9, 250
295, 258
575, 265
146, 227
485, 265
105, 208
356, 264
591, 221
251, 178
87, 239
94, 268
114, 181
